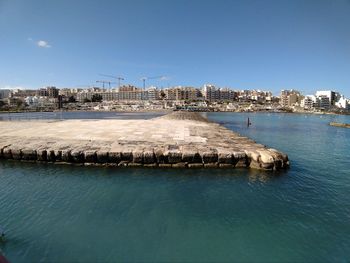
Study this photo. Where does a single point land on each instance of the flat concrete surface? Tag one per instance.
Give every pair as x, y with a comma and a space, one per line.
178, 133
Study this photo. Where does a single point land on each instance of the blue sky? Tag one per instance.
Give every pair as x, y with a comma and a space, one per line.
243, 44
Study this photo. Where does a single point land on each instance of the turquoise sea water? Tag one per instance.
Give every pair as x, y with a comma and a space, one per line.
58, 213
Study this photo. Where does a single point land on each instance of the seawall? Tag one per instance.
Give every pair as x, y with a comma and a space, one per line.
179, 139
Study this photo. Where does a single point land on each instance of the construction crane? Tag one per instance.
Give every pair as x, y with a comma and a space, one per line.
114, 77
148, 78
104, 82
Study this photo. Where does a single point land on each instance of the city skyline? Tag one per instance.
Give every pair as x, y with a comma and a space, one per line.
299, 45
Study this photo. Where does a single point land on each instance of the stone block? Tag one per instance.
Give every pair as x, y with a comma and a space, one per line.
123, 164
211, 165
132, 164
179, 165
29, 154
114, 157
225, 158
150, 165
126, 156
164, 165
66, 157
148, 157
210, 157
160, 157
254, 164
102, 156
90, 156
16, 153
58, 155
7, 153
77, 156
195, 165
51, 157
174, 156
191, 157
137, 156
41, 155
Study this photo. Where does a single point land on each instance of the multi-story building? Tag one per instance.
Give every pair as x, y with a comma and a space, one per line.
309, 102
343, 103
4, 93
332, 96
153, 93
182, 93
68, 92
227, 94
130, 93
290, 98
52, 92
324, 102
211, 93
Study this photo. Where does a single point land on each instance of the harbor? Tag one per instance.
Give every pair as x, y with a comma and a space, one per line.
177, 140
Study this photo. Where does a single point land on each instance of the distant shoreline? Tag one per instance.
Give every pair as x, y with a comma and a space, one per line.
170, 110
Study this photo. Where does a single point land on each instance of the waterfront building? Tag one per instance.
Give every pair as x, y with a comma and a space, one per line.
51, 92
211, 93
324, 102
4, 93
343, 103
290, 98
331, 95
309, 102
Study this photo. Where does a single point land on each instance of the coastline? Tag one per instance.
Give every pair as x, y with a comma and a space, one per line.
165, 111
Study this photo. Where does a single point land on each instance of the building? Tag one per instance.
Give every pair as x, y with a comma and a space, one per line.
153, 93
211, 93
4, 93
343, 103
52, 92
324, 102
309, 102
130, 92
332, 96
290, 98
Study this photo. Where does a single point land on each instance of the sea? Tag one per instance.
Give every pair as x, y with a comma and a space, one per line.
63, 213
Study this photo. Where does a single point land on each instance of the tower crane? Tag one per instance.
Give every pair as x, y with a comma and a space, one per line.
148, 78
119, 78
104, 82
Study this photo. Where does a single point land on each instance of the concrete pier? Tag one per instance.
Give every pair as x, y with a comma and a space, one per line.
180, 139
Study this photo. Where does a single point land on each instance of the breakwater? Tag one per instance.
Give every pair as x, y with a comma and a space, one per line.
179, 139
337, 124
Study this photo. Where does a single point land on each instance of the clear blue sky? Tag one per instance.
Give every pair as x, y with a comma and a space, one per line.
243, 44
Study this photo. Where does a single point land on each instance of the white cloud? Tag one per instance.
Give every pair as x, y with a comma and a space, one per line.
43, 44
